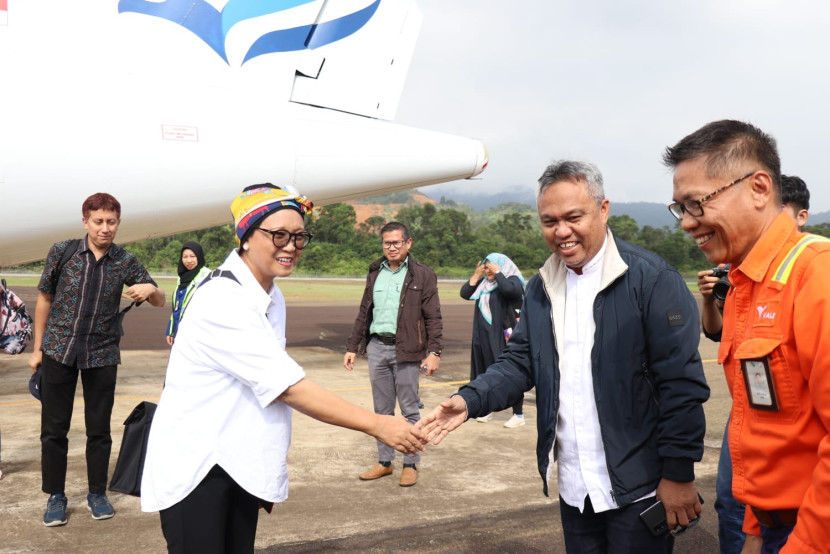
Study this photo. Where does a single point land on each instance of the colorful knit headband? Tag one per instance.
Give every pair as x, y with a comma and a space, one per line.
254, 204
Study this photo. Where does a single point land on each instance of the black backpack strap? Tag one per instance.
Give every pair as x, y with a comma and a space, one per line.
120, 317
71, 248
219, 273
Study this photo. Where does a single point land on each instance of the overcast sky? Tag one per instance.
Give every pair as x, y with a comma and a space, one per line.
616, 82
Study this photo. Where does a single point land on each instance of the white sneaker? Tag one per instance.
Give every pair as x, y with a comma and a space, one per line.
484, 419
515, 421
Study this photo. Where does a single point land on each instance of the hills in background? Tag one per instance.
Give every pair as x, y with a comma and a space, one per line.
652, 214
483, 210
387, 205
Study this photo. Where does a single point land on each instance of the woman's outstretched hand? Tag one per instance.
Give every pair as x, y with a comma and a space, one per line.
401, 435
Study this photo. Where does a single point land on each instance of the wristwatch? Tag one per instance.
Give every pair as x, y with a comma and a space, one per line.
436, 354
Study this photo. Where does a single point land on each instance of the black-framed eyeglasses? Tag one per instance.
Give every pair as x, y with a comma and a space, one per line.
281, 238
387, 244
695, 207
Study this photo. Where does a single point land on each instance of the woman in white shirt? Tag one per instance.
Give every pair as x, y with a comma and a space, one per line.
220, 436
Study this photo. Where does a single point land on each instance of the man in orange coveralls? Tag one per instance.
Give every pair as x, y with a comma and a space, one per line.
776, 324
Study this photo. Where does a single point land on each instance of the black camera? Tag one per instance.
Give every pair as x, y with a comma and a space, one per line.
721, 288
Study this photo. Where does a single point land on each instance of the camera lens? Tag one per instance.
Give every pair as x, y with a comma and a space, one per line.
721, 288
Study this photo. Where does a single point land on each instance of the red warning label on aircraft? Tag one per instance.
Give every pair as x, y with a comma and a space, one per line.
178, 132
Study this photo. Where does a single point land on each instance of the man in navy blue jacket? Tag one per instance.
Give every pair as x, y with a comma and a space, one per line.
609, 337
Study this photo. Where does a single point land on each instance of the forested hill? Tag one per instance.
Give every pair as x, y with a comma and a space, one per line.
653, 214
449, 236
644, 213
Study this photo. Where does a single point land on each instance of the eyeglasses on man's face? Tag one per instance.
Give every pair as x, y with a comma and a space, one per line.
695, 207
281, 238
387, 244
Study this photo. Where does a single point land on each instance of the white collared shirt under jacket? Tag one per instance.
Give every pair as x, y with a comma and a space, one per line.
227, 366
583, 470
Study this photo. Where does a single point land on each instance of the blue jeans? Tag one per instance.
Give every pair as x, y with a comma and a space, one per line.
774, 539
619, 531
730, 511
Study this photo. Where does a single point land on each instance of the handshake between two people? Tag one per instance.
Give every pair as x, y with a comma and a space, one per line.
433, 427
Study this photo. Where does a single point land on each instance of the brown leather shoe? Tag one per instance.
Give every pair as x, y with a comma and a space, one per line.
409, 476
376, 472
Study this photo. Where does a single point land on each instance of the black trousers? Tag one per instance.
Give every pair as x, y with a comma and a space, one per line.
57, 392
218, 517
619, 531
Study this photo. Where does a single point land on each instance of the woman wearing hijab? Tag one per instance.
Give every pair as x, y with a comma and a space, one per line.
220, 435
497, 286
192, 271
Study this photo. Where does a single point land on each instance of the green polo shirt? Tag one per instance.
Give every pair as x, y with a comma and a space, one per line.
386, 298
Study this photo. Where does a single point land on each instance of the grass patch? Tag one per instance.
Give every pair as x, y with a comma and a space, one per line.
22, 280
294, 290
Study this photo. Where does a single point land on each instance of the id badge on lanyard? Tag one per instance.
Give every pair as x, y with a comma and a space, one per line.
760, 388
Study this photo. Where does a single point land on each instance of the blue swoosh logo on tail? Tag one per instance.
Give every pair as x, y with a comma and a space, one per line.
197, 16
212, 26
311, 36
240, 10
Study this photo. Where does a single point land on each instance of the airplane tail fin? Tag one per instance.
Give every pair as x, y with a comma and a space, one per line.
365, 73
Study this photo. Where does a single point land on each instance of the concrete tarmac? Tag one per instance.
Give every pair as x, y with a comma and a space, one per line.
479, 491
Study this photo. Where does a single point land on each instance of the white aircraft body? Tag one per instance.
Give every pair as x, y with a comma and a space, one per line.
173, 106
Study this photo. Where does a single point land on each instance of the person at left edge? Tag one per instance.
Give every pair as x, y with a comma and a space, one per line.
220, 435
399, 327
76, 331
608, 336
192, 271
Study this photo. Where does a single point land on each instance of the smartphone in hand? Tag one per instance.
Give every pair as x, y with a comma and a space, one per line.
655, 519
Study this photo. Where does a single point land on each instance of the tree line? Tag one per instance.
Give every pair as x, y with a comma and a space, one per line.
447, 236
443, 238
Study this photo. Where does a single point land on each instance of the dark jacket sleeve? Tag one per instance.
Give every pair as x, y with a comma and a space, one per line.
431, 312
467, 289
361, 324
510, 287
504, 382
672, 329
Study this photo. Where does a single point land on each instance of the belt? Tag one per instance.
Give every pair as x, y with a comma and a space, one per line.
775, 519
388, 340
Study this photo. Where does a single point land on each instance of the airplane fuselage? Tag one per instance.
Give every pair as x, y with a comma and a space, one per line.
94, 100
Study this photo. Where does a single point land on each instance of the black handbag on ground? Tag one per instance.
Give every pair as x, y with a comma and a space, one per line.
126, 477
